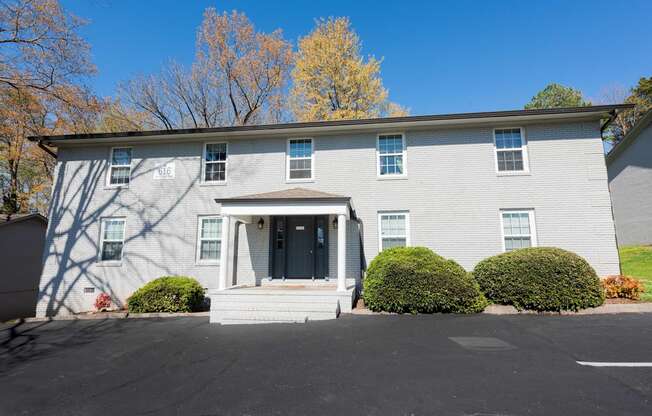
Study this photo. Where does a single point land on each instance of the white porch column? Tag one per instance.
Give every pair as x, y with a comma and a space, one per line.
341, 252
224, 253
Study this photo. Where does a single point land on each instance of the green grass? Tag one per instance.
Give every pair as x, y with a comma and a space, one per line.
636, 261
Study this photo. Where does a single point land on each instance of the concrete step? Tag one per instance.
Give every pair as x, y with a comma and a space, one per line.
286, 316
232, 305
254, 321
273, 297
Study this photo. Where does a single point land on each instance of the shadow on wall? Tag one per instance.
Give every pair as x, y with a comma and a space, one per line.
74, 211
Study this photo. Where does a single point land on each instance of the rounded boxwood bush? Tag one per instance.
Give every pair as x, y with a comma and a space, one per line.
168, 294
540, 278
414, 279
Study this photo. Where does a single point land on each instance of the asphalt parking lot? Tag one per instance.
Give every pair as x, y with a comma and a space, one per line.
355, 365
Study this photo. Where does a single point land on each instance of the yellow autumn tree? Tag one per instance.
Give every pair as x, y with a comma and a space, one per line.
331, 80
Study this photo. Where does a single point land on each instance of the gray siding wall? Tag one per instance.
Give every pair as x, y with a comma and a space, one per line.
630, 181
452, 193
21, 246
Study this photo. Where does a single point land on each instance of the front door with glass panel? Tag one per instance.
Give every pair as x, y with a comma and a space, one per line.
299, 247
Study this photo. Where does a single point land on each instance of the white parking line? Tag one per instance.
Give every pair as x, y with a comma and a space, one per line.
606, 364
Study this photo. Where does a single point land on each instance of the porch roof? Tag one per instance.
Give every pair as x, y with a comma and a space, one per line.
293, 194
294, 201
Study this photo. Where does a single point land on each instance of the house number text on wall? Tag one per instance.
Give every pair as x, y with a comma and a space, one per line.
164, 171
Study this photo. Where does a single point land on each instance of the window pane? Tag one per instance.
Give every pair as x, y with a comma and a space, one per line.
211, 228
114, 230
216, 152
210, 250
390, 144
508, 138
510, 160
121, 157
300, 169
391, 165
120, 175
215, 171
514, 243
516, 223
111, 250
393, 242
392, 225
300, 148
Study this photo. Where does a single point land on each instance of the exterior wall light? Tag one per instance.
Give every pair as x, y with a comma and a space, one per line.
335, 223
261, 223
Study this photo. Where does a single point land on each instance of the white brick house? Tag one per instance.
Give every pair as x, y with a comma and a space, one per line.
244, 208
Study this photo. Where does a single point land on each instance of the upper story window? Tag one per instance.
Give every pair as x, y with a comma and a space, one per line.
511, 151
112, 237
300, 157
209, 244
518, 229
394, 229
214, 163
120, 169
391, 155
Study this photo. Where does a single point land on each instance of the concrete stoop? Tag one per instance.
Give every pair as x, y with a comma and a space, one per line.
257, 305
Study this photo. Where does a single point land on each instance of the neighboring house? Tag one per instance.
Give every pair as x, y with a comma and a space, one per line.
629, 165
243, 208
22, 237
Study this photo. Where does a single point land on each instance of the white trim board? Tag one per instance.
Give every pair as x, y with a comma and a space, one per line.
614, 364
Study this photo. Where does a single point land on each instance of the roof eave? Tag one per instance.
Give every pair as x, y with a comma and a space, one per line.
327, 127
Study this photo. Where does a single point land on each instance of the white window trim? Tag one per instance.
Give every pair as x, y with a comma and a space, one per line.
102, 241
108, 175
404, 154
524, 151
531, 219
203, 180
407, 227
287, 161
199, 261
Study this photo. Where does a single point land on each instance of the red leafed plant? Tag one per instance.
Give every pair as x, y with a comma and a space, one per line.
102, 302
622, 287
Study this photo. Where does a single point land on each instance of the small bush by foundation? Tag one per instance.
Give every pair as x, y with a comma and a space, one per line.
415, 279
168, 294
540, 278
622, 287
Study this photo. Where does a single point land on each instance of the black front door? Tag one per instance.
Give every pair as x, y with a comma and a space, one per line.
300, 260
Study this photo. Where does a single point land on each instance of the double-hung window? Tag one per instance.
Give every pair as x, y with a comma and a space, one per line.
214, 163
112, 239
394, 229
511, 151
300, 160
391, 155
518, 229
209, 239
120, 168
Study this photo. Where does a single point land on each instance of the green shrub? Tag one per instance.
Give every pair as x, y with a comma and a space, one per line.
540, 278
414, 279
168, 294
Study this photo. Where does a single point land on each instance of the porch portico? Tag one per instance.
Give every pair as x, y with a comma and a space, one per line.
300, 284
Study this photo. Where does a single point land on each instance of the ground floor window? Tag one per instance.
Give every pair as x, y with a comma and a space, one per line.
394, 229
209, 239
518, 229
112, 239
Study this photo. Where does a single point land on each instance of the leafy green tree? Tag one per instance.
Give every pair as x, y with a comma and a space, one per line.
641, 97
557, 96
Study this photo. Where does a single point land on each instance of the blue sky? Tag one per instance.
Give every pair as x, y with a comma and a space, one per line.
439, 56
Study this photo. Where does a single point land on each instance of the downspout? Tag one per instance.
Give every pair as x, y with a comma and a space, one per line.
613, 115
